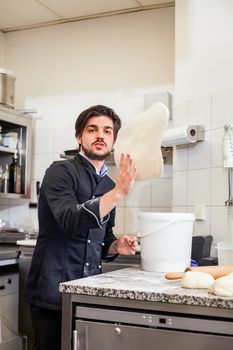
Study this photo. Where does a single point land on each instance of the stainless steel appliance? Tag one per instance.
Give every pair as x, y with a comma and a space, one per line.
11, 339
9, 287
25, 322
103, 328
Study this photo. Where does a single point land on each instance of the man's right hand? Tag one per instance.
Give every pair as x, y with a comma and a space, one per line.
125, 175
124, 183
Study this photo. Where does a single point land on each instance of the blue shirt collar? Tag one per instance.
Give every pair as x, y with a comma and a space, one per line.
102, 172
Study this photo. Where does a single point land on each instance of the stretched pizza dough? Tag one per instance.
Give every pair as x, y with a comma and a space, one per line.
223, 286
142, 140
196, 279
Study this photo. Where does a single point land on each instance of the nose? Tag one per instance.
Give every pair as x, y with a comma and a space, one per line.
100, 134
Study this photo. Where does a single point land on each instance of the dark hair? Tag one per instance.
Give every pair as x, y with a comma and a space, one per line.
96, 111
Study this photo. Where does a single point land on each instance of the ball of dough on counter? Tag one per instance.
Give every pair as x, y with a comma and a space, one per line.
223, 286
197, 279
142, 140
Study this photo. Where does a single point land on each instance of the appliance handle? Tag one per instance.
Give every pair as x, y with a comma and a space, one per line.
75, 340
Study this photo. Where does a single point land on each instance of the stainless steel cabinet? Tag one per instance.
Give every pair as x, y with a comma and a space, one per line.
102, 323
105, 336
20, 124
125, 329
9, 338
25, 322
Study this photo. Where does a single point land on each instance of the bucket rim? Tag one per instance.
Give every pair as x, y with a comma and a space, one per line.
161, 216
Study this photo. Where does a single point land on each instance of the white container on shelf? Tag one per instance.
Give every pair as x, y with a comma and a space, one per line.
225, 253
10, 139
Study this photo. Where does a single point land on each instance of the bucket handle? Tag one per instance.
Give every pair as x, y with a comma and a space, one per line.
158, 230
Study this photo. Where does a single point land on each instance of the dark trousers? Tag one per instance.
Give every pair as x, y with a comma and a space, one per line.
47, 328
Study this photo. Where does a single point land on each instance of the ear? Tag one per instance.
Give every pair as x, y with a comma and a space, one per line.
79, 139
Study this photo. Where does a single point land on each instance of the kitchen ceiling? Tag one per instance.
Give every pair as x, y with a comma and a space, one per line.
26, 14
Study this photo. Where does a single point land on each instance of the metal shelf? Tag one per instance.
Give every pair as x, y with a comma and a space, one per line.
7, 150
12, 195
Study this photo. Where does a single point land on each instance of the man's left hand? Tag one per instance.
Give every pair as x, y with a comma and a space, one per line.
124, 245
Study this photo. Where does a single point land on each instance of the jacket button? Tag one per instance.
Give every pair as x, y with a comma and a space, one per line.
87, 264
99, 266
103, 244
93, 197
88, 241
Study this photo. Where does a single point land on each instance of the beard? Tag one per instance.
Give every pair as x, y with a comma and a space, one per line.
94, 156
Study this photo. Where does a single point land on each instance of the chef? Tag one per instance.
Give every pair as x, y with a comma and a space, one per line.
76, 214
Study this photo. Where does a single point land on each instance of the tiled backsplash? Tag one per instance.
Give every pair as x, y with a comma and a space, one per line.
198, 174
146, 196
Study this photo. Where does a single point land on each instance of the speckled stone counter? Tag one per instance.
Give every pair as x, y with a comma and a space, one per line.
135, 284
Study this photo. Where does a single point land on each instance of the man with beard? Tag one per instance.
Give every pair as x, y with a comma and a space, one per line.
76, 214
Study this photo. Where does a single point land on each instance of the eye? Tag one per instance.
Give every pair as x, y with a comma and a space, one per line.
91, 130
108, 131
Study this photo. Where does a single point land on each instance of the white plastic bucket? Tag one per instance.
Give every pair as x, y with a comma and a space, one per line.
225, 253
166, 241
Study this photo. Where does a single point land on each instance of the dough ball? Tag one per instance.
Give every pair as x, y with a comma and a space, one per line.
142, 140
196, 279
223, 286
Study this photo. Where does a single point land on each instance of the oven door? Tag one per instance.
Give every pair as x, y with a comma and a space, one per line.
118, 329
104, 336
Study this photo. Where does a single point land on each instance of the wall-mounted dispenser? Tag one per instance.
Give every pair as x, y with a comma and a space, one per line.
183, 135
228, 160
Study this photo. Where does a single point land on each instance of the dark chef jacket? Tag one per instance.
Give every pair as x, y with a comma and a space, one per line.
72, 238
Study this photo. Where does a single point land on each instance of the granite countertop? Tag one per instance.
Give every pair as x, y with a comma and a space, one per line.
136, 284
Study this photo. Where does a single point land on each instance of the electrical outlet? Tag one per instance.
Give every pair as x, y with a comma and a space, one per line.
200, 212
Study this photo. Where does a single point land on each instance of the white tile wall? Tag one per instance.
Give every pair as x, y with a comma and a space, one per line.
199, 176
199, 154
180, 114
41, 163
179, 209
146, 196
140, 196
161, 192
199, 111
199, 187
222, 108
43, 141
161, 209
219, 188
64, 139
180, 157
219, 224
180, 188
202, 227
216, 147
131, 219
